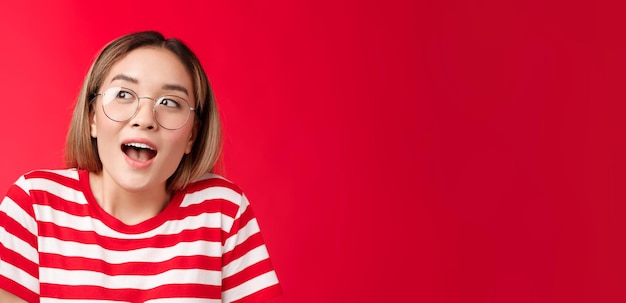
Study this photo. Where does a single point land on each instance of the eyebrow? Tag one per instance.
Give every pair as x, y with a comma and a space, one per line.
130, 79
125, 78
176, 87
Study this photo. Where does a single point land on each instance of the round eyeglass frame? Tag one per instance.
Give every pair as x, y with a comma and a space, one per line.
138, 99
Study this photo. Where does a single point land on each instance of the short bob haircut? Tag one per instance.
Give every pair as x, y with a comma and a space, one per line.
81, 150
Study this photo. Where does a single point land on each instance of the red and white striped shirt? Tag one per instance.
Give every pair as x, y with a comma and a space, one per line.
58, 245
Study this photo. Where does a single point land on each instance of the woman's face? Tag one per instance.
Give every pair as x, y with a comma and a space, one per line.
139, 154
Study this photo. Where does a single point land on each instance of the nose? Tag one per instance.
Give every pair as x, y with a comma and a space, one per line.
144, 118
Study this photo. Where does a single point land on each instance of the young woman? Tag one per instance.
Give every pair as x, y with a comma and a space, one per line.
139, 216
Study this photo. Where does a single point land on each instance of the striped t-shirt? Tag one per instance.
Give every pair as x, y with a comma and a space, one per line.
58, 245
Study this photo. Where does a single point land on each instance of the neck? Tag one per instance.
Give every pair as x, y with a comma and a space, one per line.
130, 207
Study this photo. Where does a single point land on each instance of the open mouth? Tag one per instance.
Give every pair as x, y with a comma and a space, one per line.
139, 151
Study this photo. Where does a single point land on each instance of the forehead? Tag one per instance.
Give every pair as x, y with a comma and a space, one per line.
152, 68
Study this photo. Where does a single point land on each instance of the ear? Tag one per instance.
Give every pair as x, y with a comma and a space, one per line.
92, 124
192, 136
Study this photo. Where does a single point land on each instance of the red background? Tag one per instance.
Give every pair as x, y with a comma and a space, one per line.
412, 151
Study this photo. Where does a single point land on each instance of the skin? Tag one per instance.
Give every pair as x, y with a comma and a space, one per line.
9, 297
134, 192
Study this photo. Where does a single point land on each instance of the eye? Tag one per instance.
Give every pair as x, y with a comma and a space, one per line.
122, 94
169, 102
119, 95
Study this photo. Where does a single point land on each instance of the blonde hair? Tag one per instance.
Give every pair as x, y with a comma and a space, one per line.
81, 150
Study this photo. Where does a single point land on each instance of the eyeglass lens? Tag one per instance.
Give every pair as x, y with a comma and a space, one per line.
121, 104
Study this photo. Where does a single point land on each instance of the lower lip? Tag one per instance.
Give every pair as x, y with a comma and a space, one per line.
137, 164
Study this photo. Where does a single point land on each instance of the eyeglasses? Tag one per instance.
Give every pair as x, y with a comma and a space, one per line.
120, 104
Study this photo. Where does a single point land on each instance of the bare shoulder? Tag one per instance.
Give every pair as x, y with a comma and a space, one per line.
8, 297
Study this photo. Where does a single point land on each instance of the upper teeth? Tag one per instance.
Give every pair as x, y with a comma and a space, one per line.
139, 145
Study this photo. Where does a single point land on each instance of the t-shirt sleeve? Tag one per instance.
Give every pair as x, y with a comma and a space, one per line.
247, 273
19, 259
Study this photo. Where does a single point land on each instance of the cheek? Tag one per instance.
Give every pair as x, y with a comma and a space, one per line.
104, 129
180, 145
99, 123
